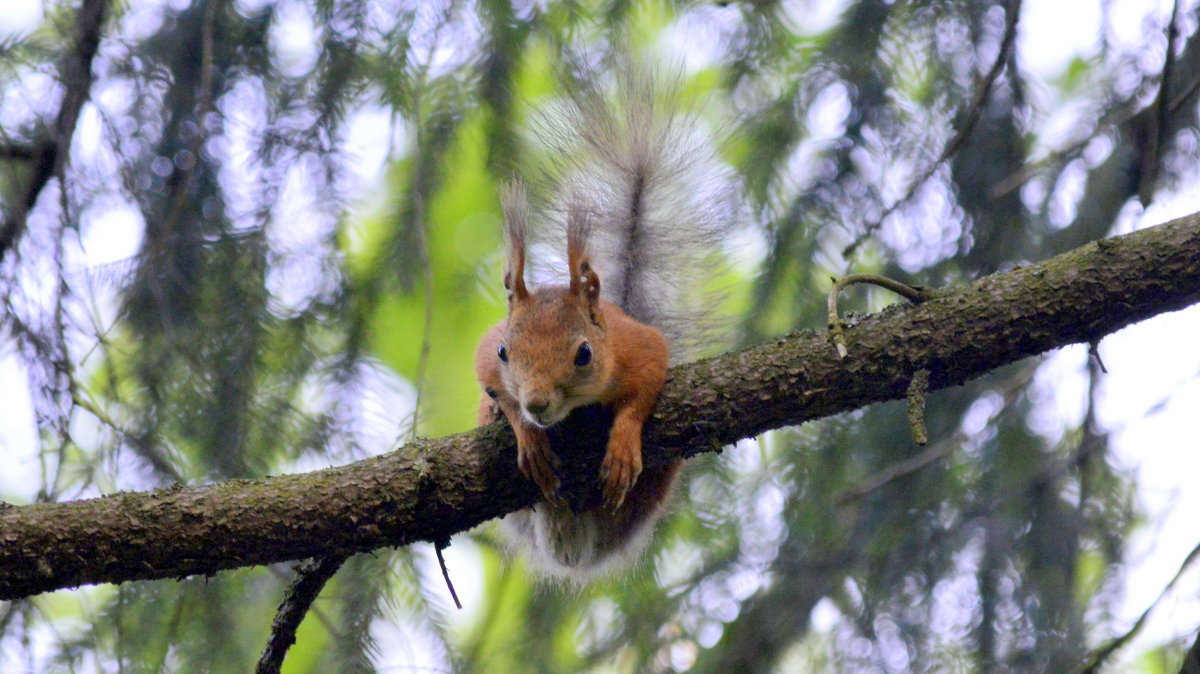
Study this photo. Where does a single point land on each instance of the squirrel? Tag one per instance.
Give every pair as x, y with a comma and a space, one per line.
646, 203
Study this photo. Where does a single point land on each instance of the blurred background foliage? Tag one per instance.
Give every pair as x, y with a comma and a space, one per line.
276, 241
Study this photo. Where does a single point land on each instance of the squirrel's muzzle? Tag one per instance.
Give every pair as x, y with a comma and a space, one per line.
542, 409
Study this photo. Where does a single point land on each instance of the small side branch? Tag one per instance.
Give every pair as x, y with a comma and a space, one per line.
439, 546
902, 469
311, 577
1096, 661
915, 295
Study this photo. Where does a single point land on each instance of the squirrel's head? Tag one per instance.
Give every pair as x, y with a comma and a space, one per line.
554, 356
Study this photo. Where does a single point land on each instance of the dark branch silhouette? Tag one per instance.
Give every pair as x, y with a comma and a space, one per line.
49, 158
311, 576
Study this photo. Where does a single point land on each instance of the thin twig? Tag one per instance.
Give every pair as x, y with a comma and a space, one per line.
1013, 388
311, 576
1098, 657
899, 470
62, 381
438, 547
836, 329
1110, 119
283, 576
141, 446
974, 112
1114, 117
1094, 354
427, 328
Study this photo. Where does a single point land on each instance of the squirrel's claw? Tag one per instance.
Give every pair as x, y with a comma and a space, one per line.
619, 472
540, 464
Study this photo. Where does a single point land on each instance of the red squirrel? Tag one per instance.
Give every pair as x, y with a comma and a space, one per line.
645, 203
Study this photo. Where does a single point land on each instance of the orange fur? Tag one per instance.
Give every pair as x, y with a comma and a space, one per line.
542, 379
627, 370
660, 199
542, 336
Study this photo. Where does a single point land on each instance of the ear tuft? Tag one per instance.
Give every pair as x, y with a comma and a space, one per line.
590, 281
515, 203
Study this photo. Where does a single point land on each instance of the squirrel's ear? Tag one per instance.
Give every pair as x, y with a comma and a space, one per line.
585, 282
514, 278
516, 214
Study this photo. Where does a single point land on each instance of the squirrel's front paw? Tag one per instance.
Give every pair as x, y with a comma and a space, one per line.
539, 463
619, 472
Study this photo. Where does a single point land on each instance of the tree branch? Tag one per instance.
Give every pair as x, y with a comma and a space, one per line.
431, 489
49, 158
311, 576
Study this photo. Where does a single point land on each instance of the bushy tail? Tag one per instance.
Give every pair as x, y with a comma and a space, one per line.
661, 201
579, 547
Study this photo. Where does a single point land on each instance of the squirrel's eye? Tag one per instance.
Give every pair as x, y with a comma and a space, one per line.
503, 353
584, 355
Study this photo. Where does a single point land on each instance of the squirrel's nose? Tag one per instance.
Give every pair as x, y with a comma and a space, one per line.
536, 406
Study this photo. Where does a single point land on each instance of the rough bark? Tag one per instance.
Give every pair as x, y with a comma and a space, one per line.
431, 489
